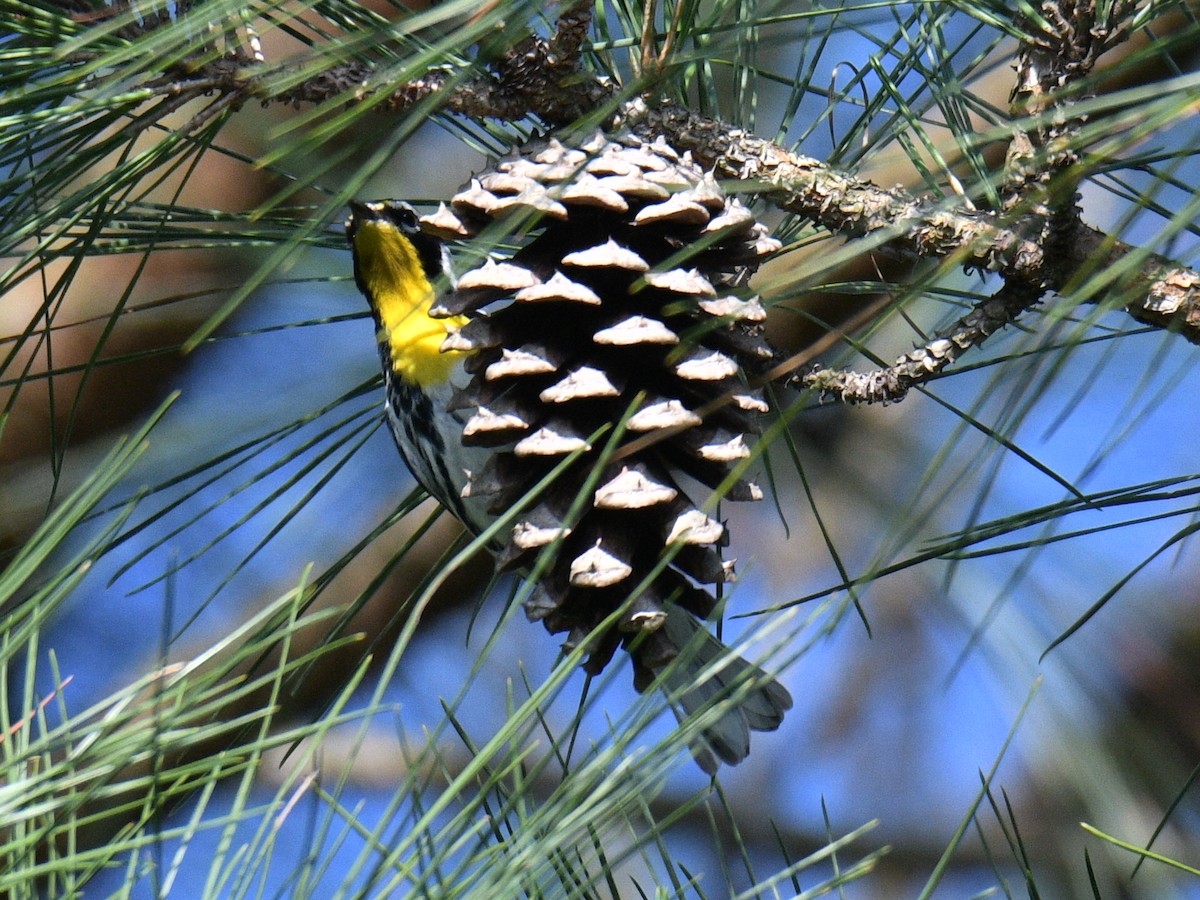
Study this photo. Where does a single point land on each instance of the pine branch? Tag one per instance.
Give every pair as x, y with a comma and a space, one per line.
1037, 240
537, 76
1050, 248
911, 226
890, 385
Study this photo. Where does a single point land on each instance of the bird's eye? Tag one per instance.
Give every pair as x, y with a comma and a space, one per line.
404, 216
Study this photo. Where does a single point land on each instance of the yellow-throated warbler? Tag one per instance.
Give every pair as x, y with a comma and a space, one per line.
618, 332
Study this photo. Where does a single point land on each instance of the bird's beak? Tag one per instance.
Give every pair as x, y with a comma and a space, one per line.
359, 213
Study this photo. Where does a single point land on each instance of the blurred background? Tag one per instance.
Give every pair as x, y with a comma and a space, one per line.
274, 458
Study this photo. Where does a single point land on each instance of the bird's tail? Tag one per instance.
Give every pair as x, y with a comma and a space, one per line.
707, 670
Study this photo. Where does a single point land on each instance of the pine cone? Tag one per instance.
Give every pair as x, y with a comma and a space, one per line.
624, 307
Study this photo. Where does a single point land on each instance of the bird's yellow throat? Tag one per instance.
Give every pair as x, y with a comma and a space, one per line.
401, 293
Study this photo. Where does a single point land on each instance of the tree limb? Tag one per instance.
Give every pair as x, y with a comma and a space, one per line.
1037, 243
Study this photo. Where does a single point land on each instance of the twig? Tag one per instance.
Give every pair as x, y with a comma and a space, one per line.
1056, 54
923, 364
652, 63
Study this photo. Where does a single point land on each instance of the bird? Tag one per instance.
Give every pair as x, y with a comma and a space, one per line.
588, 354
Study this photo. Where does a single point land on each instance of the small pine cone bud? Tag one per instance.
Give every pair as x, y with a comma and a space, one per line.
624, 307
